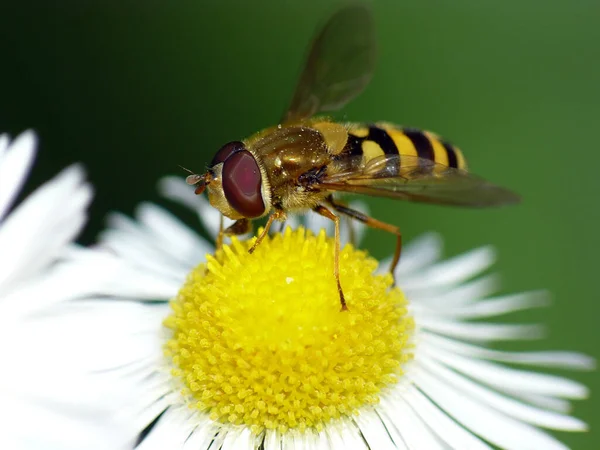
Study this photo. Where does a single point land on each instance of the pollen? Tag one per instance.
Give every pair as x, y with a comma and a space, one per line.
259, 339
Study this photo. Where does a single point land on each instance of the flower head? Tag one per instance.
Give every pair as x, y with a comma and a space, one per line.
253, 352
258, 340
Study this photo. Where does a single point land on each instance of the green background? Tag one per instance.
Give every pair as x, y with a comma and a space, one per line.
135, 88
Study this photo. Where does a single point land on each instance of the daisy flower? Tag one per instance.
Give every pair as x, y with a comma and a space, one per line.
250, 351
35, 235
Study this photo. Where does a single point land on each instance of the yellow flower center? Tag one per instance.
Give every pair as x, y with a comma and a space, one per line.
259, 339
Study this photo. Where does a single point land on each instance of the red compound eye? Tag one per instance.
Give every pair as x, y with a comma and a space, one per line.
226, 151
242, 184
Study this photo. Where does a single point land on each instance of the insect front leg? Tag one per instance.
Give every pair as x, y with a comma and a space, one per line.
336, 251
277, 215
219, 242
373, 223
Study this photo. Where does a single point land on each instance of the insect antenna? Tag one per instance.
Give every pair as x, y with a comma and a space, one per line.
193, 179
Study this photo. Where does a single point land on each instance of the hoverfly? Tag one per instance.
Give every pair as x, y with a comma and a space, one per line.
298, 164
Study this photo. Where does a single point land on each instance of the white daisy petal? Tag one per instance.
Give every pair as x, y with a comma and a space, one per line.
131, 241
47, 401
316, 222
452, 271
272, 440
292, 221
15, 162
463, 295
484, 332
186, 245
289, 442
344, 436
392, 426
567, 360
351, 436
490, 307
374, 432
491, 425
417, 254
238, 439
517, 380
202, 435
449, 431
172, 429
3, 146
217, 442
502, 403
125, 280
548, 403
415, 433
35, 233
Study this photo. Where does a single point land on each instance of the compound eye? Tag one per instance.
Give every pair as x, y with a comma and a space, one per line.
242, 184
226, 151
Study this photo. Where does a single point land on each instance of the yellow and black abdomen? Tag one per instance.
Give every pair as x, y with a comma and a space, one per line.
379, 139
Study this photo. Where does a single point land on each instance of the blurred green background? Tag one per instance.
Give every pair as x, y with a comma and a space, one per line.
135, 88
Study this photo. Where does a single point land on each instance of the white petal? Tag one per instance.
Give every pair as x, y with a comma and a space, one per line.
170, 432
140, 245
490, 307
307, 441
315, 222
566, 360
343, 435
4, 140
218, 440
15, 162
34, 234
139, 248
34, 426
272, 440
452, 271
392, 427
292, 221
374, 431
547, 403
459, 296
484, 332
517, 380
446, 429
239, 440
172, 234
416, 255
289, 441
506, 405
415, 433
491, 425
202, 435
108, 274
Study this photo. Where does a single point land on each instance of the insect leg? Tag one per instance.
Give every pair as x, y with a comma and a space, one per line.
374, 223
277, 215
241, 226
219, 242
351, 230
336, 252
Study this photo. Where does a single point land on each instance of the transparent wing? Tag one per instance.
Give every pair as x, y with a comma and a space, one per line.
339, 66
415, 179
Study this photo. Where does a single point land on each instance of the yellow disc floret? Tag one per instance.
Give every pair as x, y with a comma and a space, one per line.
259, 339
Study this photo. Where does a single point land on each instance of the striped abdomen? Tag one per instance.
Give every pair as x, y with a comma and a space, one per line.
378, 139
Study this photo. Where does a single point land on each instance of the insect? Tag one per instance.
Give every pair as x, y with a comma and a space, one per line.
300, 163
